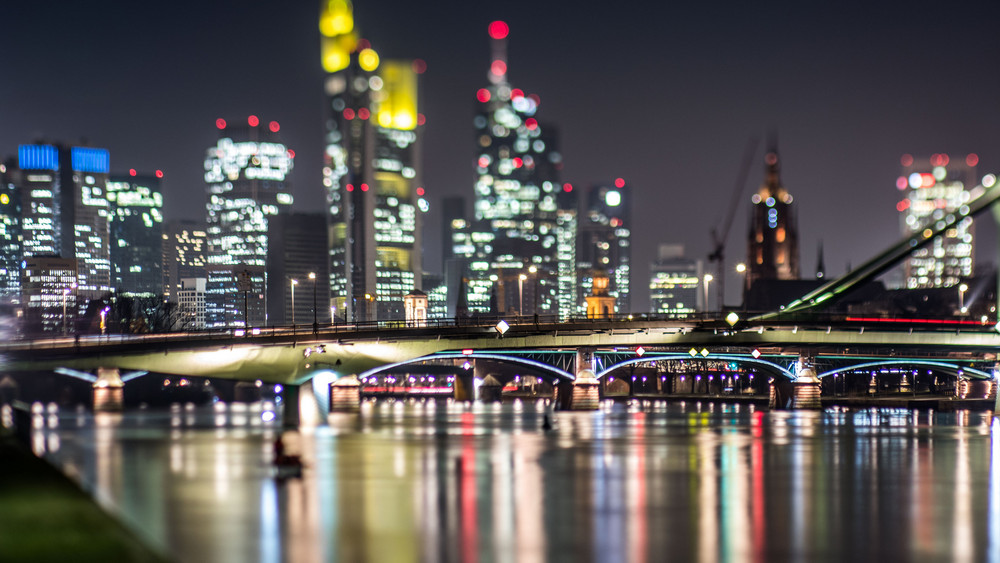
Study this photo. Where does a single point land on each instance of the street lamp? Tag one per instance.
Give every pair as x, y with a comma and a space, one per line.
294, 282
708, 279
312, 276
520, 294
962, 288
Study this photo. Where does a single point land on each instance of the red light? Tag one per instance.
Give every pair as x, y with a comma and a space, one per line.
350, 187
421, 119
364, 187
903, 205
516, 93
567, 188
906, 160
927, 180
531, 123
535, 98
291, 153
972, 159
419, 66
619, 182
944, 159
901, 183
159, 173
498, 68
273, 126
518, 162
363, 44
253, 121
484, 161
348, 114
131, 171
498, 29
420, 191
220, 123
616, 222
483, 95
467, 351
363, 113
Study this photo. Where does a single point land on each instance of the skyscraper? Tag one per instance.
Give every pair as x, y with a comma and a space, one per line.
136, 248
185, 243
371, 171
604, 242
64, 210
675, 282
298, 257
932, 189
246, 175
774, 238
514, 232
10, 235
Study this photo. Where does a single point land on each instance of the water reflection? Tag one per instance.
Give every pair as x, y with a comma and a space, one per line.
426, 481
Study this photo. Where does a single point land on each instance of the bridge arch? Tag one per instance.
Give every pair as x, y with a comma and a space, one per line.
526, 362
767, 366
949, 368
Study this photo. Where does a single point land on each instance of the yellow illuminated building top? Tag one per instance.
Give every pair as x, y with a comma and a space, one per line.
397, 108
338, 41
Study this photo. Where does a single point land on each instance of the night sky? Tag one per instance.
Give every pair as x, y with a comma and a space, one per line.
665, 96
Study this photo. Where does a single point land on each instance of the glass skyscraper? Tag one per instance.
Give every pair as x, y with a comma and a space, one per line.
604, 242
246, 174
136, 233
932, 189
371, 172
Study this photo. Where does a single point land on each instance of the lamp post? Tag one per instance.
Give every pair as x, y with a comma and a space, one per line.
520, 294
708, 279
294, 282
962, 288
312, 276
534, 290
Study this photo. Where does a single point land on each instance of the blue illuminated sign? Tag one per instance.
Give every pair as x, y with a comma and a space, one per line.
37, 157
91, 160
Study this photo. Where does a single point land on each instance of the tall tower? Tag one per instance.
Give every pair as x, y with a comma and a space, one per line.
514, 230
137, 233
604, 247
10, 235
774, 236
374, 191
932, 189
245, 173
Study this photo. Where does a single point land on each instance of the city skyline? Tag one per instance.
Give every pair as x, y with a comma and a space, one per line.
663, 98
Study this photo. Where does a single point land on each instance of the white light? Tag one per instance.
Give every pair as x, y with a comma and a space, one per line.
613, 198
502, 327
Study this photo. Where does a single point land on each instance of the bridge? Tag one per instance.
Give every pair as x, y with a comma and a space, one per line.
795, 347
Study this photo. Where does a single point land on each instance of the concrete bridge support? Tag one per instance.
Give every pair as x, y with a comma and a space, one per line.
290, 413
109, 391
345, 394
807, 386
586, 391
490, 390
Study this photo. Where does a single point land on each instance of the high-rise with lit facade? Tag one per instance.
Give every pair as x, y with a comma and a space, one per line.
604, 242
246, 175
774, 238
64, 211
10, 235
512, 243
136, 233
933, 189
185, 243
675, 283
371, 172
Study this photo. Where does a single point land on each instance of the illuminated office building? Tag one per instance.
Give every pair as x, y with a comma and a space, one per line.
933, 189
604, 242
773, 252
64, 210
136, 233
50, 294
512, 243
246, 175
675, 283
10, 236
371, 172
184, 247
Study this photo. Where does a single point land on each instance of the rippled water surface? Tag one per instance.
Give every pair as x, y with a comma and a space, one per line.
452, 482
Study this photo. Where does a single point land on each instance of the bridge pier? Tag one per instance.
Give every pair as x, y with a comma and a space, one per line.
109, 391
465, 388
345, 394
807, 386
290, 416
490, 389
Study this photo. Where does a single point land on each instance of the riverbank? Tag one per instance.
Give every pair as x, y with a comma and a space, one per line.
44, 516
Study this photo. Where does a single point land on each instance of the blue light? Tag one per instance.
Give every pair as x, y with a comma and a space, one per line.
91, 160
37, 157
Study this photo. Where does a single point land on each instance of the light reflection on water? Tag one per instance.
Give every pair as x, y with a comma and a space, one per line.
455, 482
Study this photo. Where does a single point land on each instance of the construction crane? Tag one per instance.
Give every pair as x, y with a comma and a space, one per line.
719, 241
